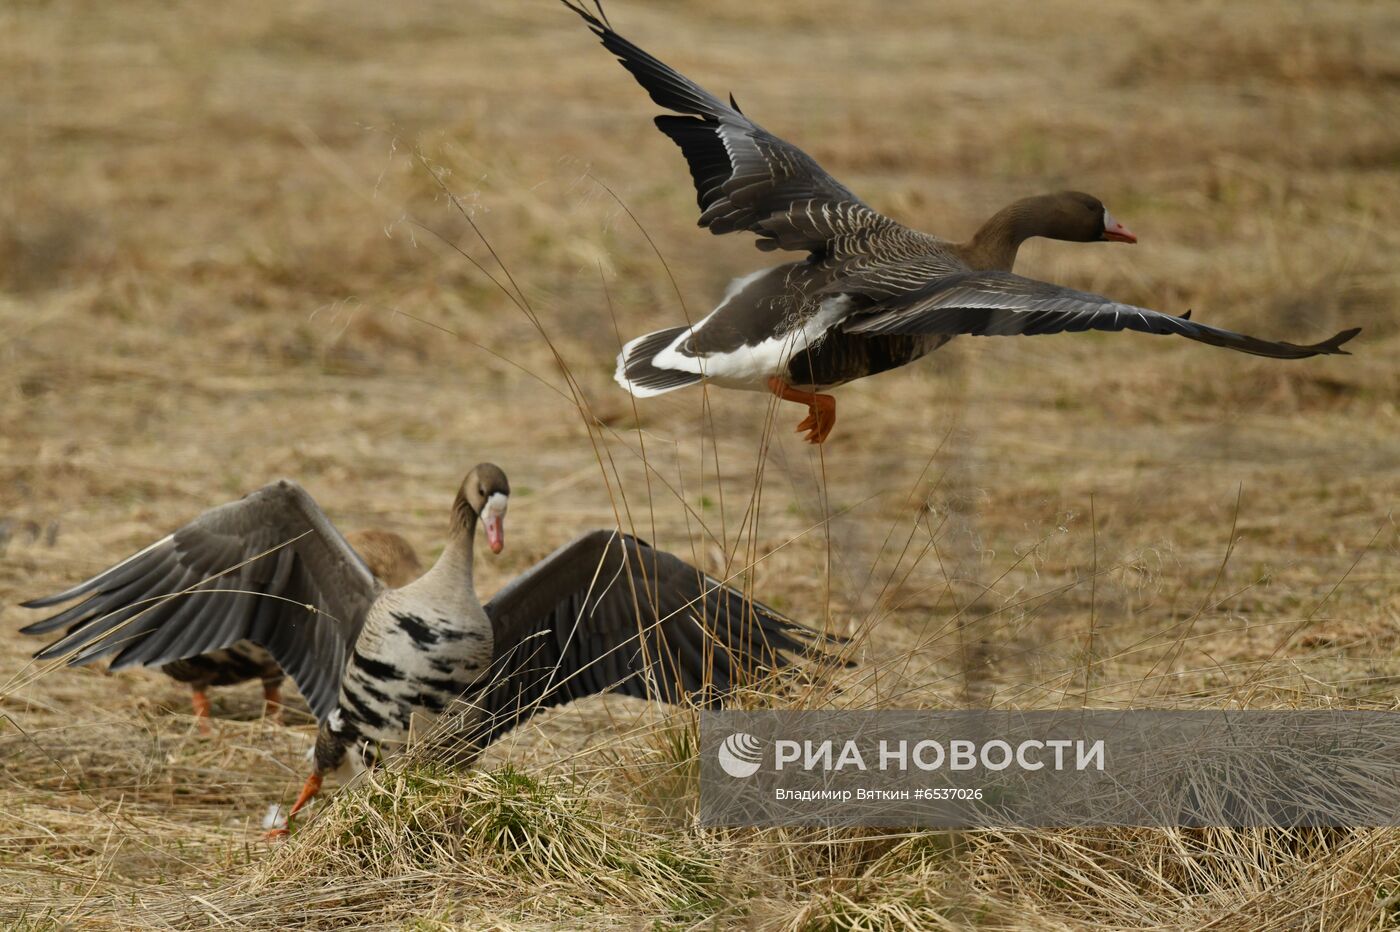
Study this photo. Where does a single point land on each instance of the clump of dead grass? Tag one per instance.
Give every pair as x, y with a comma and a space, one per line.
482, 837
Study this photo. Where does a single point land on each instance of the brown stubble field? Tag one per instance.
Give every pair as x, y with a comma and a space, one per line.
228, 254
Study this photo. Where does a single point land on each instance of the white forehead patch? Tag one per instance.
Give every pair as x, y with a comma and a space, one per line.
333, 721
495, 505
1108, 221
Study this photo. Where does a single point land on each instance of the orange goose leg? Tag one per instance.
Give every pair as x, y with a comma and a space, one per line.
309, 789
821, 416
272, 702
200, 700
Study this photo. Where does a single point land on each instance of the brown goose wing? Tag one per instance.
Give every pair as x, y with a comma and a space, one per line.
999, 303
745, 177
269, 568
607, 612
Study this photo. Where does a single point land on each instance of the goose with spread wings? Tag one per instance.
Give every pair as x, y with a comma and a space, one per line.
389, 557
871, 294
606, 612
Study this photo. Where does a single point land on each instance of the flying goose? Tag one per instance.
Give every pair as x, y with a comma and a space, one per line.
389, 557
604, 612
871, 294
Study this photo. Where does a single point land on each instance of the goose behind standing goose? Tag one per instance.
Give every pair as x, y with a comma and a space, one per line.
871, 294
606, 612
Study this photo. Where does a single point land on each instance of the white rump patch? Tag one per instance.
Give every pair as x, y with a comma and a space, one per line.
750, 367
671, 358
620, 373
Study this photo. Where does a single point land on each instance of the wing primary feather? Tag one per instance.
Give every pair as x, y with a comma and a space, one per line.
87, 636
981, 303
745, 177
83, 613
607, 612
185, 630
105, 579
166, 627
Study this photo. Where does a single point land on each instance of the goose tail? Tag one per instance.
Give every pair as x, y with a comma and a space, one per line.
637, 371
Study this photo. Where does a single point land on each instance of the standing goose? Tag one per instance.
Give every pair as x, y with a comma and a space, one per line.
388, 556
871, 294
606, 612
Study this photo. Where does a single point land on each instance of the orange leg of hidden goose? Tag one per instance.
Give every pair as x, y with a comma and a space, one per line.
821, 416
272, 702
200, 700
309, 789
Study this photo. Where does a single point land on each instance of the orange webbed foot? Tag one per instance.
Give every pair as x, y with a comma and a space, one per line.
820, 420
821, 410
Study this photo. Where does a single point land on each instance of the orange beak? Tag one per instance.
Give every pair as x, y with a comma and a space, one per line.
1117, 233
495, 533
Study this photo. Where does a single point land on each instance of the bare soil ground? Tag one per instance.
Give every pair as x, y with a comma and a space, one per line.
227, 255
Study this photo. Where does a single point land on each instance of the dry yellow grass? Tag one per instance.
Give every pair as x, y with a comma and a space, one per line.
224, 258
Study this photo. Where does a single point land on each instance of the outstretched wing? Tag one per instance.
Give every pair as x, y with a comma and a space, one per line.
999, 303
745, 177
608, 612
270, 568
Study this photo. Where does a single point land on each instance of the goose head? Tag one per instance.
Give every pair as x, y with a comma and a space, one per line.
1072, 216
484, 495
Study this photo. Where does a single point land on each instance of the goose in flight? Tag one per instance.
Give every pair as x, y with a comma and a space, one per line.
871, 294
606, 612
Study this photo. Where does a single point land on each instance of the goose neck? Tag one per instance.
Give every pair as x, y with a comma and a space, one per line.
458, 557
994, 245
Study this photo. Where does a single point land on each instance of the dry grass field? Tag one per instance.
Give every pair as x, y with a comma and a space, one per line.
227, 254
